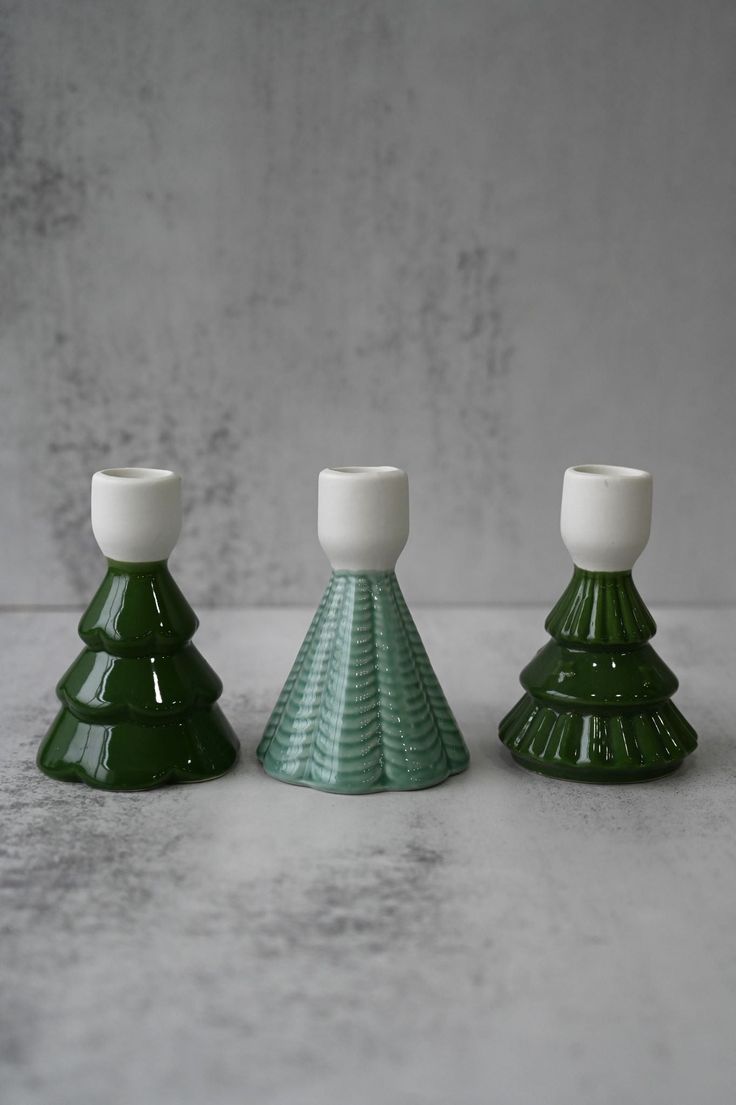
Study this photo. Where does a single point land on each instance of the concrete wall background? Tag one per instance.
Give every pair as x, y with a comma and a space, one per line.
481, 240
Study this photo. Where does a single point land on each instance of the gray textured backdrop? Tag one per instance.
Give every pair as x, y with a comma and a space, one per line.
480, 240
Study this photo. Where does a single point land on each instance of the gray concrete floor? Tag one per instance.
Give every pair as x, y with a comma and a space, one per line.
502, 938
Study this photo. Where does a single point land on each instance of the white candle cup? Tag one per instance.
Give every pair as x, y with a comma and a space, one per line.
363, 517
606, 516
136, 513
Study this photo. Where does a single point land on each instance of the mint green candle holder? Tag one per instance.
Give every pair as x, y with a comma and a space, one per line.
596, 706
362, 709
139, 704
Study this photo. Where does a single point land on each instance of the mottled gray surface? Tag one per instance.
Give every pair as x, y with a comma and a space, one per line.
502, 938
481, 240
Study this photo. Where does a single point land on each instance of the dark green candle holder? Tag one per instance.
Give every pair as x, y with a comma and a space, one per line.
139, 704
597, 705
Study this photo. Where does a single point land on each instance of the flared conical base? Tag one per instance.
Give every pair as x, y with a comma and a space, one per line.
130, 756
361, 710
597, 748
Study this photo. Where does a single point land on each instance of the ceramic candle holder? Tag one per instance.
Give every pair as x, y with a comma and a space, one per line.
597, 704
139, 704
362, 709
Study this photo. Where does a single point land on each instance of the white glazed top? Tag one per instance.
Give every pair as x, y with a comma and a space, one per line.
606, 516
136, 513
363, 517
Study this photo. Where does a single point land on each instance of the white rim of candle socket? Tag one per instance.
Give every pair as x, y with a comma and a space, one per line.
136, 513
606, 515
363, 517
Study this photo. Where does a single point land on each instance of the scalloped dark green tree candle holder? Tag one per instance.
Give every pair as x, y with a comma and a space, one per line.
362, 709
597, 697
139, 704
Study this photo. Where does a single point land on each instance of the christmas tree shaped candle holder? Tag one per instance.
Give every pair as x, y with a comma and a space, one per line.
139, 704
362, 709
597, 704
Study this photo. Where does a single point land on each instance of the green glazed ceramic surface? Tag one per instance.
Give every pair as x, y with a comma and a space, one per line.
139, 704
597, 703
362, 709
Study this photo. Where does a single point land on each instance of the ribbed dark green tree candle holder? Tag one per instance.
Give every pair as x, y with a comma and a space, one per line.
597, 697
